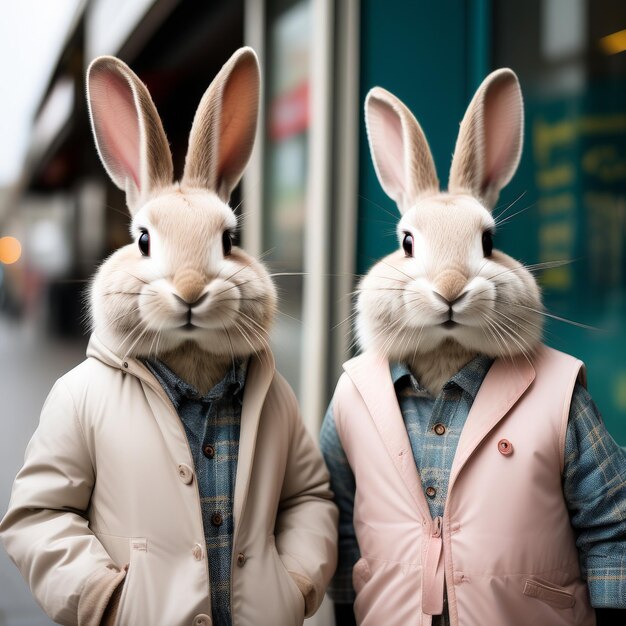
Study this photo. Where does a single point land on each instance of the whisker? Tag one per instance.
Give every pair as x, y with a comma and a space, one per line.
417, 343
534, 267
127, 293
145, 282
397, 270
382, 208
501, 342
503, 212
347, 319
550, 315
291, 317
510, 217
230, 343
512, 335
362, 289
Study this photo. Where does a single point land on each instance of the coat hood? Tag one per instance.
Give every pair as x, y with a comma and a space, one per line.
98, 349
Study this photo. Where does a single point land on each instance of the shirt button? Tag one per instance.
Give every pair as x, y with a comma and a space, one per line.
439, 429
241, 559
197, 552
185, 473
201, 620
450, 385
431, 492
209, 451
217, 519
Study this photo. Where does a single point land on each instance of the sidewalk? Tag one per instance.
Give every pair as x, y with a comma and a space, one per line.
30, 362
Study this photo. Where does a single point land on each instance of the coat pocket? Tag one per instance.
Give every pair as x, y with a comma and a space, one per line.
293, 588
549, 593
361, 573
138, 547
118, 547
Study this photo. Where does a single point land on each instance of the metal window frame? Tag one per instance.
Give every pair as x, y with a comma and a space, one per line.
331, 194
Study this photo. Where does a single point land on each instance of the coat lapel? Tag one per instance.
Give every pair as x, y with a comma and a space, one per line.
370, 374
503, 386
258, 380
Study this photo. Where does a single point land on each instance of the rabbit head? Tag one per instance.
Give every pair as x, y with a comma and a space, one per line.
446, 295
181, 290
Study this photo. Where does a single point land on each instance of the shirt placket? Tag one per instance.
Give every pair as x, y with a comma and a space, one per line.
438, 445
218, 525
434, 468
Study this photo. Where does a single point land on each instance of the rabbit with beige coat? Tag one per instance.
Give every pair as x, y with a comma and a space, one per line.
171, 479
476, 482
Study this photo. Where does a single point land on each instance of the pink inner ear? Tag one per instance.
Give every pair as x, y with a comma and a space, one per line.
502, 131
117, 126
238, 121
387, 139
238, 124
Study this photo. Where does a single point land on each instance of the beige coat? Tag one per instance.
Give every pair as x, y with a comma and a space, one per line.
108, 481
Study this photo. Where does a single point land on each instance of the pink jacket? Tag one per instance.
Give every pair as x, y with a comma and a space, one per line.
504, 547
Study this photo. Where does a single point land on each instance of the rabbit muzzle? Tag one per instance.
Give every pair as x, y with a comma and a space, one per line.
449, 284
189, 285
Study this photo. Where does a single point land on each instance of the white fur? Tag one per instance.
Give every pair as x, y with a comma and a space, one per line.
403, 301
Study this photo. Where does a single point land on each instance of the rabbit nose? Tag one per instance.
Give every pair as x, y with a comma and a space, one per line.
189, 284
449, 284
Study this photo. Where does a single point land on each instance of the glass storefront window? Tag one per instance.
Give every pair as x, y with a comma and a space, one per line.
286, 155
571, 60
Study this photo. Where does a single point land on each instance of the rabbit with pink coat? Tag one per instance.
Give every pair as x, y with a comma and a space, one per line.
171, 480
476, 482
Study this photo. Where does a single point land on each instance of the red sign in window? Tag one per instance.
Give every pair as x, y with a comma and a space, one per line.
289, 113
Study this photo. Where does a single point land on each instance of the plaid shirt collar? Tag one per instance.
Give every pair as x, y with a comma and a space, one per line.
469, 378
178, 390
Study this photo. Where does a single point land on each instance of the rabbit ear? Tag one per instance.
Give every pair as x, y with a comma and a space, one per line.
223, 130
128, 131
489, 145
402, 158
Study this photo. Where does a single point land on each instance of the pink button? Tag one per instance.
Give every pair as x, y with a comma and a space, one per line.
505, 447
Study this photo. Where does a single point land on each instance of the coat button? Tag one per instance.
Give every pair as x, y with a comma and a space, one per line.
439, 429
197, 552
201, 620
431, 492
185, 473
241, 559
209, 451
505, 447
217, 519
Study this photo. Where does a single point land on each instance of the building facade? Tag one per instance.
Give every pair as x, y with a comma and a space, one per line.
310, 203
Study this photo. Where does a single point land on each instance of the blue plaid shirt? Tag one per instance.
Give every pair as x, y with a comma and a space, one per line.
594, 476
212, 425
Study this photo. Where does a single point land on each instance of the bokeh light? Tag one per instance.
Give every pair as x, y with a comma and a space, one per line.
10, 250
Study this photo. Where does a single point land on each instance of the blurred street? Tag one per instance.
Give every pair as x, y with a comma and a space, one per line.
31, 362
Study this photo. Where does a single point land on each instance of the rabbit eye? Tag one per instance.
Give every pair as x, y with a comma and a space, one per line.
144, 243
487, 243
407, 244
227, 242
